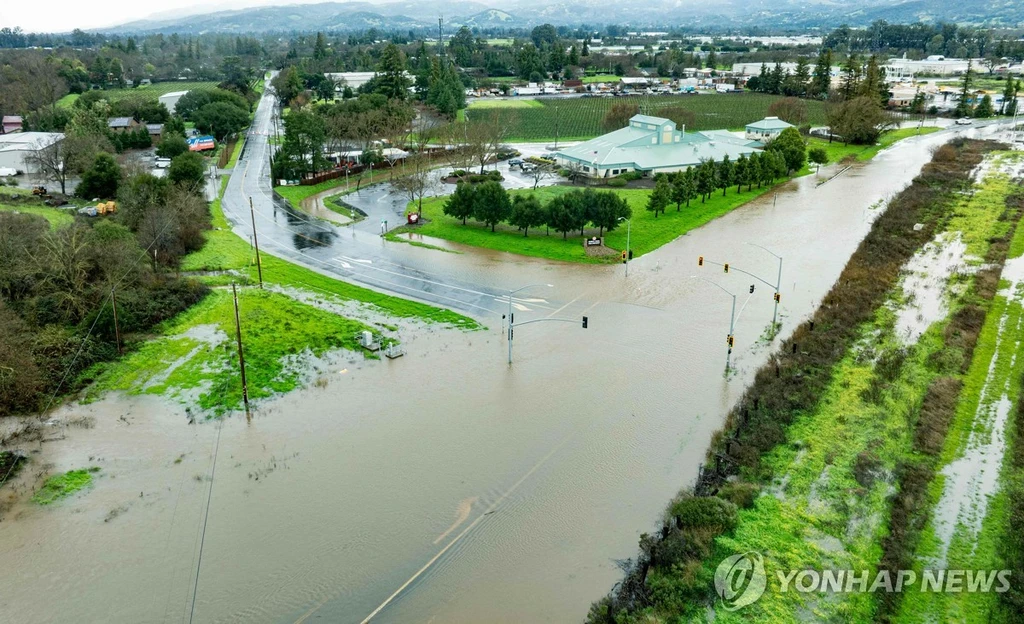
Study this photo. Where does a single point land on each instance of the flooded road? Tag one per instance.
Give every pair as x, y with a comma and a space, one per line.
444, 486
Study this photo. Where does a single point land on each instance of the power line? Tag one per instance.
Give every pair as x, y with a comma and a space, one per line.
206, 519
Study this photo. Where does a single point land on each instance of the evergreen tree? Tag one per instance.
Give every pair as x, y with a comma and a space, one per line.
391, 80
460, 204
320, 47
822, 75
963, 107
984, 108
1009, 105
725, 174
660, 197
851, 77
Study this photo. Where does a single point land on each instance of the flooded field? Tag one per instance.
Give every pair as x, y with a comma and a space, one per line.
443, 486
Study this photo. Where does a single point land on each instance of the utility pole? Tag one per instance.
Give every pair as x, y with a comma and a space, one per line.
256, 242
117, 329
241, 356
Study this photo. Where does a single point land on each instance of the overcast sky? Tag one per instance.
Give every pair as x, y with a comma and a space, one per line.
66, 15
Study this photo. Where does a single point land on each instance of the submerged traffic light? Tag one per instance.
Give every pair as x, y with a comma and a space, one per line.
729, 340
751, 289
700, 260
624, 256
778, 297
584, 322
726, 267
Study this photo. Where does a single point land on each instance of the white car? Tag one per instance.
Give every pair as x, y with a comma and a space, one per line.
964, 121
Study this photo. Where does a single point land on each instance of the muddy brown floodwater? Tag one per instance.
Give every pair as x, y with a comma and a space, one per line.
484, 493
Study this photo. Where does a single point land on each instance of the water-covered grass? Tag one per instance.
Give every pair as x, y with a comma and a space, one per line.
64, 485
195, 358
837, 152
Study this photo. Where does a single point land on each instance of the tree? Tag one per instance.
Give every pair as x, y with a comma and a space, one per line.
187, 170
791, 146
100, 179
789, 109
221, 119
683, 117
417, 184
607, 210
1009, 105
818, 156
391, 80
963, 107
137, 195
171, 145
62, 159
618, 115
706, 179
683, 187
527, 212
561, 215
660, 197
859, 121
739, 174
725, 173
491, 203
984, 108
287, 85
822, 77
752, 172
461, 203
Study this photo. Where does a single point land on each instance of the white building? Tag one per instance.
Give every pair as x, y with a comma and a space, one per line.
936, 65
17, 148
766, 129
170, 100
652, 145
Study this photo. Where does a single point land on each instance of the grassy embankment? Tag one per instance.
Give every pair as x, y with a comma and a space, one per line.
962, 513
63, 485
800, 472
296, 194
57, 218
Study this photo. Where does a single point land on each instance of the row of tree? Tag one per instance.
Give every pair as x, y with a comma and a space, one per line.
490, 204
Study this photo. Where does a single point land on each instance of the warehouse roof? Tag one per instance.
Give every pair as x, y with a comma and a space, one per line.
640, 147
28, 140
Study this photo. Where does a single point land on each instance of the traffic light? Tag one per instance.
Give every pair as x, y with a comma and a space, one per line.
700, 260
584, 322
751, 289
726, 267
624, 256
729, 340
778, 297
630, 254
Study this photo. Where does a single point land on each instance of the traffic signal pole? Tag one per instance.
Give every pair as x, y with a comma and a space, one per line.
729, 339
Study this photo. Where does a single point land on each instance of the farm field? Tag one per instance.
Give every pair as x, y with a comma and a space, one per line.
580, 118
148, 92
504, 103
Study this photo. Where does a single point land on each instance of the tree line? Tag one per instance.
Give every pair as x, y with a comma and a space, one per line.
489, 203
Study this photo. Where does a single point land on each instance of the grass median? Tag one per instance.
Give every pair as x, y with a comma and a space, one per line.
646, 232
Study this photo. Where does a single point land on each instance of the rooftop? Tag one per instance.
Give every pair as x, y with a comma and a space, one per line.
769, 123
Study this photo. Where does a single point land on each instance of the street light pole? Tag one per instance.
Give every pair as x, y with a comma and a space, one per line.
510, 323
732, 319
778, 283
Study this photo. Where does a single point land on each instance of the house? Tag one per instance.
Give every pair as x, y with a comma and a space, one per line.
651, 145
155, 131
170, 100
11, 123
766, 129
122, 124
18, 148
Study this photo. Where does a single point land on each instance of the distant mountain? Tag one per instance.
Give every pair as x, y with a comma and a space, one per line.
653, 14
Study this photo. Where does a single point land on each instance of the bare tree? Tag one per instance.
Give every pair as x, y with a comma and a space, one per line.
541, 172
483, 137
61, 159
417, 183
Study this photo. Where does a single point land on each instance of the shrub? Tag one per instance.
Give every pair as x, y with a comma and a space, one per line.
616, 182
704, 512
740, 493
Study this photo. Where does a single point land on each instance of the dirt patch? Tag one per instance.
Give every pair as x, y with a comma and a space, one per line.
600, 251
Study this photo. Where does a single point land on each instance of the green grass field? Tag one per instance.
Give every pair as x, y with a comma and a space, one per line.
63, 485
581, 118
148, 92
57, 218
601, 78
509, 103
647, 232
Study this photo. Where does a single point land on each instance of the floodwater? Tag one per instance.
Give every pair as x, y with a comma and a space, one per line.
444, 486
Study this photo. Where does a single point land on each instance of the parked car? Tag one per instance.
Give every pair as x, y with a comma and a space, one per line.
515, 162
162, 163
964, 121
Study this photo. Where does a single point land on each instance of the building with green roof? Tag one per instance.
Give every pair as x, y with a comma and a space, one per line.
652, 145
766, 129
